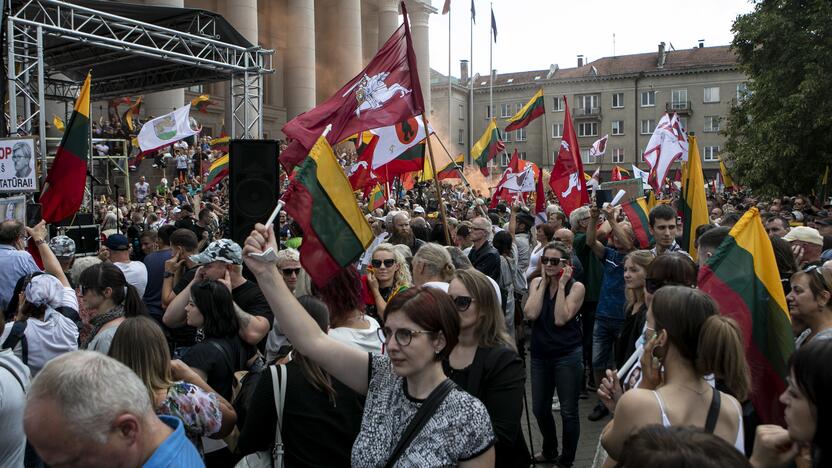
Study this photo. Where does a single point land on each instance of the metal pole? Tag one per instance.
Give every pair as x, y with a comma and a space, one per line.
436, 185
41, 107
450, 99
462, 176
471, 95
10, 74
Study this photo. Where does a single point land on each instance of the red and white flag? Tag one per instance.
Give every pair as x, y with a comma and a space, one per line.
668, 144
567, 179
386, 92
599, 147
520, 182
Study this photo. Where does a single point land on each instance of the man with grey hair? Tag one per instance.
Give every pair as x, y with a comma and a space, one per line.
483, 255
15, 260
22, 157
75, 416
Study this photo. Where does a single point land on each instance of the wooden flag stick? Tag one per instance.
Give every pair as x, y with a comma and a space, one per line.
436, 183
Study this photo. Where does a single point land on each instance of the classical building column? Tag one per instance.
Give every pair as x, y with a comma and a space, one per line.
242, 14
369, 31
419, 15
300, 58
348, 34
163, 102
388, 19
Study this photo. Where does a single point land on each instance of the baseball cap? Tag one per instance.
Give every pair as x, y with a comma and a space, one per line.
62, 246
117, 242
804, 234
418, 209
222, 250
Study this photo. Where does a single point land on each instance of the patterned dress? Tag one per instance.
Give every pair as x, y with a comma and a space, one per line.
199, 410
459, 430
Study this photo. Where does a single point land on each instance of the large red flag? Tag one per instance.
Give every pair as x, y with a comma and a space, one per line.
567, 179
386, 92
361, 172
616, 174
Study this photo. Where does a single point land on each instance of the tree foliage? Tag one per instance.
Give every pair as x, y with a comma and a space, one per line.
780, 134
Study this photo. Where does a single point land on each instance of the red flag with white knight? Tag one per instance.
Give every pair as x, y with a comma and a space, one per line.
386, 92
567, 180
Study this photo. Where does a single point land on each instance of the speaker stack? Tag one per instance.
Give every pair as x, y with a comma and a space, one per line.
253, 184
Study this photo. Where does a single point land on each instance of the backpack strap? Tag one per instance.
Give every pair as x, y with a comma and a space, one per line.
17, 335
279, 391
713, 412
422, 416
14, 374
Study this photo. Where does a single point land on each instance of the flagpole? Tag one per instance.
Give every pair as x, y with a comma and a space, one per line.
461, 175
436, 184
450, 98
471, 90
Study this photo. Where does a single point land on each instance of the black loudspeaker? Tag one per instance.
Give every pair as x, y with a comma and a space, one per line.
253, 184
87, 237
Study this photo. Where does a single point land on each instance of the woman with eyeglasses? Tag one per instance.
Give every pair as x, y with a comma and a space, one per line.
388, 276
421, 330
688, 339
485, 363
556, 351
810, 303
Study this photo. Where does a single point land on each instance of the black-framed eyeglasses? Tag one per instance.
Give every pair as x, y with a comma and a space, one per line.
552, 261
403, 335
462, 303
387, 262
290, 271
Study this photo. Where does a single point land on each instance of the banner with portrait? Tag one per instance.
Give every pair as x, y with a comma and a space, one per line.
17, 165
13, 208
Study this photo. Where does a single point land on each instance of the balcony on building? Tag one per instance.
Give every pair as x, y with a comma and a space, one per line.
679, 107
587, 113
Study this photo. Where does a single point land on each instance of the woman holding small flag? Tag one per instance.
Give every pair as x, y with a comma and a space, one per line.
387, 276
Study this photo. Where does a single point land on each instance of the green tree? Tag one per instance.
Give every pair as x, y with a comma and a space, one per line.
780, 133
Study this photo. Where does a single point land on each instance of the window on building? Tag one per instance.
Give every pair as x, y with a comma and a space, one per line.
507, 137
648, 98
712, 94
711, 123
198, 89
504, 159
517, 107
460, 111
520, 134
552, 158
522, 155
618, 100
711, 153
557, 104
683, 122
742, 92
618, 155
617, 127
586, 129
488, 112
586, 158
587, 102
461, 136
505, 110
557, 130
647, 126
679, 99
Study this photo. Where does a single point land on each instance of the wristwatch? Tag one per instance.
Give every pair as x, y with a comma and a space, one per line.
169, 274
40, 241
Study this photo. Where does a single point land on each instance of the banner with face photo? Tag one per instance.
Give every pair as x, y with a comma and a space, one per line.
13, 208
17, 165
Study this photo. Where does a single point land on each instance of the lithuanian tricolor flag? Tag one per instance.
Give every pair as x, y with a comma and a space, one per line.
217, 172
693, 202
321, 201
742, 278
532, 110
636, 211
452, 170
489, 145
67, 177
377, 198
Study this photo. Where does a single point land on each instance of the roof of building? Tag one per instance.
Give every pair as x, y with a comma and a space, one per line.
676, 61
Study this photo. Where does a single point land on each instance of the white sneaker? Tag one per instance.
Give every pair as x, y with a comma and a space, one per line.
555, 404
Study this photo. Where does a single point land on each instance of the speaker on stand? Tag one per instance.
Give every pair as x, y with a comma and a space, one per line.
253, 184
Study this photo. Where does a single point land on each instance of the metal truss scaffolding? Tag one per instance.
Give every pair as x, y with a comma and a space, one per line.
51, 44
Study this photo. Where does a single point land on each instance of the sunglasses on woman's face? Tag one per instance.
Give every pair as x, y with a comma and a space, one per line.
553, 261
462, 303
388, 263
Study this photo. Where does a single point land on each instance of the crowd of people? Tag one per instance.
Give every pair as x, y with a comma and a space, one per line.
175, 346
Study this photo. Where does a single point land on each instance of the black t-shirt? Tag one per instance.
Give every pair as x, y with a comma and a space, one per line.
189, 223
219, 358
633, 328
248, 297
310, 419
186, 334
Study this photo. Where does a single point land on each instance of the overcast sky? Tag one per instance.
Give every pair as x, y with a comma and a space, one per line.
532, 34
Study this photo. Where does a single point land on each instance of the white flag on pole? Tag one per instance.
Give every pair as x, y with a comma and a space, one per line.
599, 147
395, 139
644, 175
520, 182
166, 130
668, 144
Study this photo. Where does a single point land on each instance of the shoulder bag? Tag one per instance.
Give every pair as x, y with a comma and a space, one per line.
273, 458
